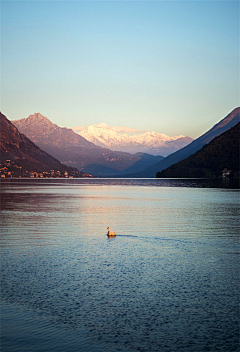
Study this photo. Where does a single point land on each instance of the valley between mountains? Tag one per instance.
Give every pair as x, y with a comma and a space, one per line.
38, 144
74, 150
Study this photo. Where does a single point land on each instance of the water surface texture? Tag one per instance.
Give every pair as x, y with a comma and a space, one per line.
168, 282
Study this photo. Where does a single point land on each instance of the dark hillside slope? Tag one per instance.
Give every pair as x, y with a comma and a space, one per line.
222, 152
17, 148
225, 124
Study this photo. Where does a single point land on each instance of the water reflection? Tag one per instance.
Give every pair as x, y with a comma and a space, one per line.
167, 282
154, 182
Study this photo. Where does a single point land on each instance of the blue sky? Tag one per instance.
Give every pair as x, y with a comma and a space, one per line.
167, 66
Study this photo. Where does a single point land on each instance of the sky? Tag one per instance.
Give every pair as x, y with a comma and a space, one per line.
166, 66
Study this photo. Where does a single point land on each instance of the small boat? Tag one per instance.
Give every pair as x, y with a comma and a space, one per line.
110, 233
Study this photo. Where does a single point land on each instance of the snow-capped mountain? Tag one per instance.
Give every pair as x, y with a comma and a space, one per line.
149, 142
74, 150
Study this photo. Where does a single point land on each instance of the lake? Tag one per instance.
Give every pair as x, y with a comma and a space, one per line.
168, 282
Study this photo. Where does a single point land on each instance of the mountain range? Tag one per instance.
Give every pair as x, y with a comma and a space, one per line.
23, 156
74, 150
150, 142
226, 123
220, 154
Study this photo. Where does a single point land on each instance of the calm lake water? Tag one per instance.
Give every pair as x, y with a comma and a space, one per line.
168, 282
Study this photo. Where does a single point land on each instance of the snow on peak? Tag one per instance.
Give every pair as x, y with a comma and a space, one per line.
148, 142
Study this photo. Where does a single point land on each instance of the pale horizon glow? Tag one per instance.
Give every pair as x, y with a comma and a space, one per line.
166, 66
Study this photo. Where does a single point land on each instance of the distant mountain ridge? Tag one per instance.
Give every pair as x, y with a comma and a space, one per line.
226, 123
210, 161
74, 150
149, 142
41, 128
21, 151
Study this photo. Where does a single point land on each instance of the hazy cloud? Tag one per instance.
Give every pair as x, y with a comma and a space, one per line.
124, 129
118, 129
78, 128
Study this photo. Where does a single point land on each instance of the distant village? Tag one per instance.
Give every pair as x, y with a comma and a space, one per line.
10, 169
